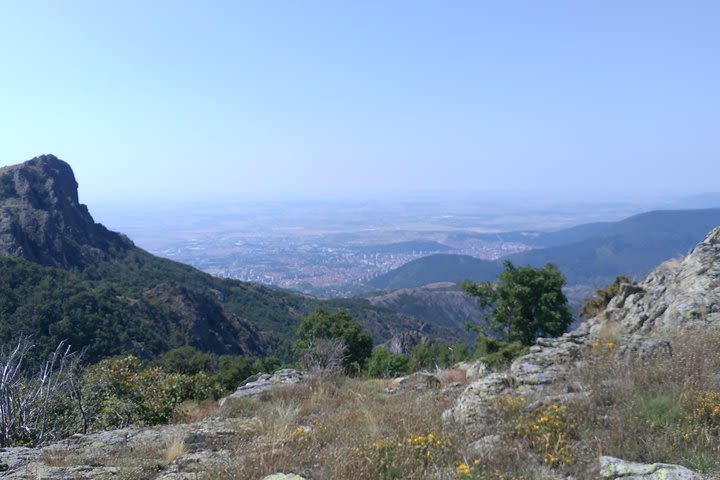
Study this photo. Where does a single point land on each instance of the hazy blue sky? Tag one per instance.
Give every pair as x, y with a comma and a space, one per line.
305, 98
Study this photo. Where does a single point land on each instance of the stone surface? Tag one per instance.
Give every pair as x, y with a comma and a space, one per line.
414, 381
615, 468
475, 407
484, 446
475, 370
130, 453
283, 476
263, 382
42, 220
678, 295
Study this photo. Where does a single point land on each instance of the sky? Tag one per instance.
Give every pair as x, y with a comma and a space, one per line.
179, 101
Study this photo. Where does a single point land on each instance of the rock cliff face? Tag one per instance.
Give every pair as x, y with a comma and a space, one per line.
678, 295
205, 323
42, 220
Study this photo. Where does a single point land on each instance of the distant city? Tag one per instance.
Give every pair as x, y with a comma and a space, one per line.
332, 250
316, 265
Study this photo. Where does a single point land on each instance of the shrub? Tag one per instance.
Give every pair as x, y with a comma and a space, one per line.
383, 363
424, 356
392, 457
326, 358
339, 325
498, 354
187, 360
119, 392
232, 370
549, 431
602, 297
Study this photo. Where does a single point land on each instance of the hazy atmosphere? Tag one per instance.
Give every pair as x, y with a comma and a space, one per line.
360, 240
264, 100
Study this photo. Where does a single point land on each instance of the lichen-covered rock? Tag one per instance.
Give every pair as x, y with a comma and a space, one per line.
283, 476
414, 381
484, 446
678, 294
614, 469
262, 382
204, 447
682, 294
475, 370
646, 349
475, 407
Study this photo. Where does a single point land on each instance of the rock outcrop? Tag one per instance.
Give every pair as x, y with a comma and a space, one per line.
414, 381
262, 382
177, 452
678, 295
616, 469
42, 220
283, 476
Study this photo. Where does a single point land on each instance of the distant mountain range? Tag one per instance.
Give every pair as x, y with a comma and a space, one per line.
591, 254
65, 277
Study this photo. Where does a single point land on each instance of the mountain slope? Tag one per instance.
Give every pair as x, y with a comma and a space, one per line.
632, 247
538, 239
65, 277
437, 268
439, 304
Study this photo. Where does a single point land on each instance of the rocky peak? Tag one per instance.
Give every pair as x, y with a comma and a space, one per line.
42, 220
681, 293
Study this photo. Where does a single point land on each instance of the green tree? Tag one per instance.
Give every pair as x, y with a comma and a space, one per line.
323, 324
186, 359
424, 356
526, 302
383, 363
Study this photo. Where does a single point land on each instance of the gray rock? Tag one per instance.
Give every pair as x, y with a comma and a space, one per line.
206, 446
615, 468
414, 381
484, 446
678, 295
283, 476
42, 220
475, 408
646, 349
475, 370
263, 382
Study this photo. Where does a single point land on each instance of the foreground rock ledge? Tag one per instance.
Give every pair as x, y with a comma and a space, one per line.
676, 296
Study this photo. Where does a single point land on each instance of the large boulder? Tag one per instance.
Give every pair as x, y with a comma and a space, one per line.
476, 406
263, 382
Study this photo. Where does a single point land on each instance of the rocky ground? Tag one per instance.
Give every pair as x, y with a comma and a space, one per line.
639, 325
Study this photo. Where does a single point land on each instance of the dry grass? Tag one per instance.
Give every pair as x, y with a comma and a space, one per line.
174, 449
452, 375
670, 265
660, 410
345, 428
136, 463
643, 411
191, 411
